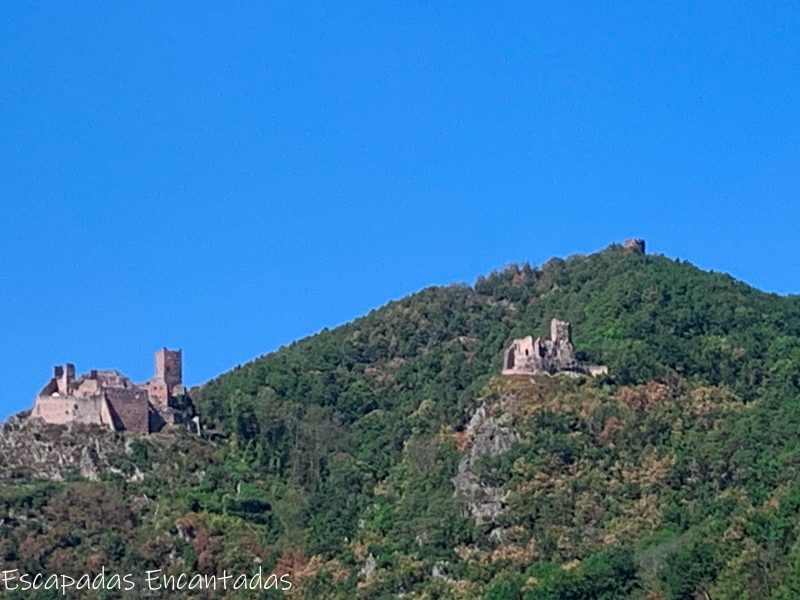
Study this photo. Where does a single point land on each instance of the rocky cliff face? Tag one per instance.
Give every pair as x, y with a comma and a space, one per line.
491, 434
32, 449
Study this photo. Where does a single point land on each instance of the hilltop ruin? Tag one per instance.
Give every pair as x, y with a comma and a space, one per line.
111, 399
527, 356
636, 245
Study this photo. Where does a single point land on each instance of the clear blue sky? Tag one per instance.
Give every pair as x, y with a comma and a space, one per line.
228, 178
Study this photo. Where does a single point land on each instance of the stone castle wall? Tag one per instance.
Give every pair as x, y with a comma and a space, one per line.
129, 409
61, 410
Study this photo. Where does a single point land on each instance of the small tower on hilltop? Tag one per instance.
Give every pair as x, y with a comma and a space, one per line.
634, 245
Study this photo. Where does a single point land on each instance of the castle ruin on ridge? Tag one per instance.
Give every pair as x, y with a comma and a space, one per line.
111, 399
527, 356
636, 245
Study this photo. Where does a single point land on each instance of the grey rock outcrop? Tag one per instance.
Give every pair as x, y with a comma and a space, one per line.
32, 449
368, 570
491, 435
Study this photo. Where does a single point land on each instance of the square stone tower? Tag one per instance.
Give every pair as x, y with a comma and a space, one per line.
65, 377
169, 367
168, 379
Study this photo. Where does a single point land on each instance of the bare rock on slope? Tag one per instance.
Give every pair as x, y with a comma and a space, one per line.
491, 434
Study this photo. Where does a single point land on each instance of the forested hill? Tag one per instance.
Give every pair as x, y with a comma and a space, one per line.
335, 414
338, 457
646, 317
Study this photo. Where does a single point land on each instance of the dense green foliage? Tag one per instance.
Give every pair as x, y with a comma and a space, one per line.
675, 475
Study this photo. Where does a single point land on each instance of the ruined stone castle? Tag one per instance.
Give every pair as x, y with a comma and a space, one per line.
527, 356
634, 245
111, 399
